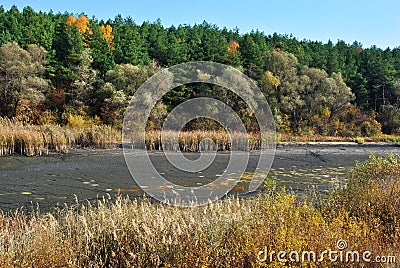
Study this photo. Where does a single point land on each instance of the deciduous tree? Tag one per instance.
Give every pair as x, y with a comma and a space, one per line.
20, 72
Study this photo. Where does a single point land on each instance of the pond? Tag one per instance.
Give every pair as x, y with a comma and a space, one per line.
51, 181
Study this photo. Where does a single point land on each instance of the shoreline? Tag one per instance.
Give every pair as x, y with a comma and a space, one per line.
339, 143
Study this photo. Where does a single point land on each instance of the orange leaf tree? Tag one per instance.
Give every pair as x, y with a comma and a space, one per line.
107, 34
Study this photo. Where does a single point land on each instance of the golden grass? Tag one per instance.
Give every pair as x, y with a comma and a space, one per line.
191, 141
287, 137
227, 233
373, 193
29, 140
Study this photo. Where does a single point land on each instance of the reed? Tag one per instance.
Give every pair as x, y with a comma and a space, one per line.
225, 233
195, 141
139, 233
29, 140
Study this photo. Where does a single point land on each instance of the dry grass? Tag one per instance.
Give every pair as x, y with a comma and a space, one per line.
191, 141
287, 137
29, 140
373, 194
228, 233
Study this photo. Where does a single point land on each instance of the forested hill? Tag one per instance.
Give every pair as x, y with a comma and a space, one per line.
57, 66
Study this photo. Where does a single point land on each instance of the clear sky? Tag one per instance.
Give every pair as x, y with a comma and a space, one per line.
369, 22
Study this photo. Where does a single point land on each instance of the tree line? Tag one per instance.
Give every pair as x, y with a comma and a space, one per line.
67, 69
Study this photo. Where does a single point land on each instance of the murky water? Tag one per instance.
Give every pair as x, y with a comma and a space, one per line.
53, 180
300, 179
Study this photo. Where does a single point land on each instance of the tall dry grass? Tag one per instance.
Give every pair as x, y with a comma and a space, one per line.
288, 137
29, 140
25, 139
198, 140
227, 233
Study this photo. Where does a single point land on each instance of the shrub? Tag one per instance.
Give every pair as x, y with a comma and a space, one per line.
76, 121
390, 138
47, 117
370, 128
352, 123
359, 140
372, 194
389, 117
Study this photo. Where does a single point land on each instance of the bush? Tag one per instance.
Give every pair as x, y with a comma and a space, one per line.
359, 140
352, 123
372, 194
390, 138
76, 121
47, 118
370, 128
389, 117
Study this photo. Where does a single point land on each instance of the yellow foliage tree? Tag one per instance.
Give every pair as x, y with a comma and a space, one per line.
71, 20
270, 79
83, 24
233, 47
107, 34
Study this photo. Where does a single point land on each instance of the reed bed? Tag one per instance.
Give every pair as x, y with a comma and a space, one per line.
30, 140
195, 141
288, 137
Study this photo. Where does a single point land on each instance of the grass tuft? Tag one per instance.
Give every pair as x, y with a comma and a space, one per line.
359, 140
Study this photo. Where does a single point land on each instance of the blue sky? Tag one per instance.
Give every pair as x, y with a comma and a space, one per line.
369, 22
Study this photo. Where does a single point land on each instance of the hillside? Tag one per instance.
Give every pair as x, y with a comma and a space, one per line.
66, 69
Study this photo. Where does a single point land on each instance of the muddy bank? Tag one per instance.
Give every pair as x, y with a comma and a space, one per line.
53, 180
